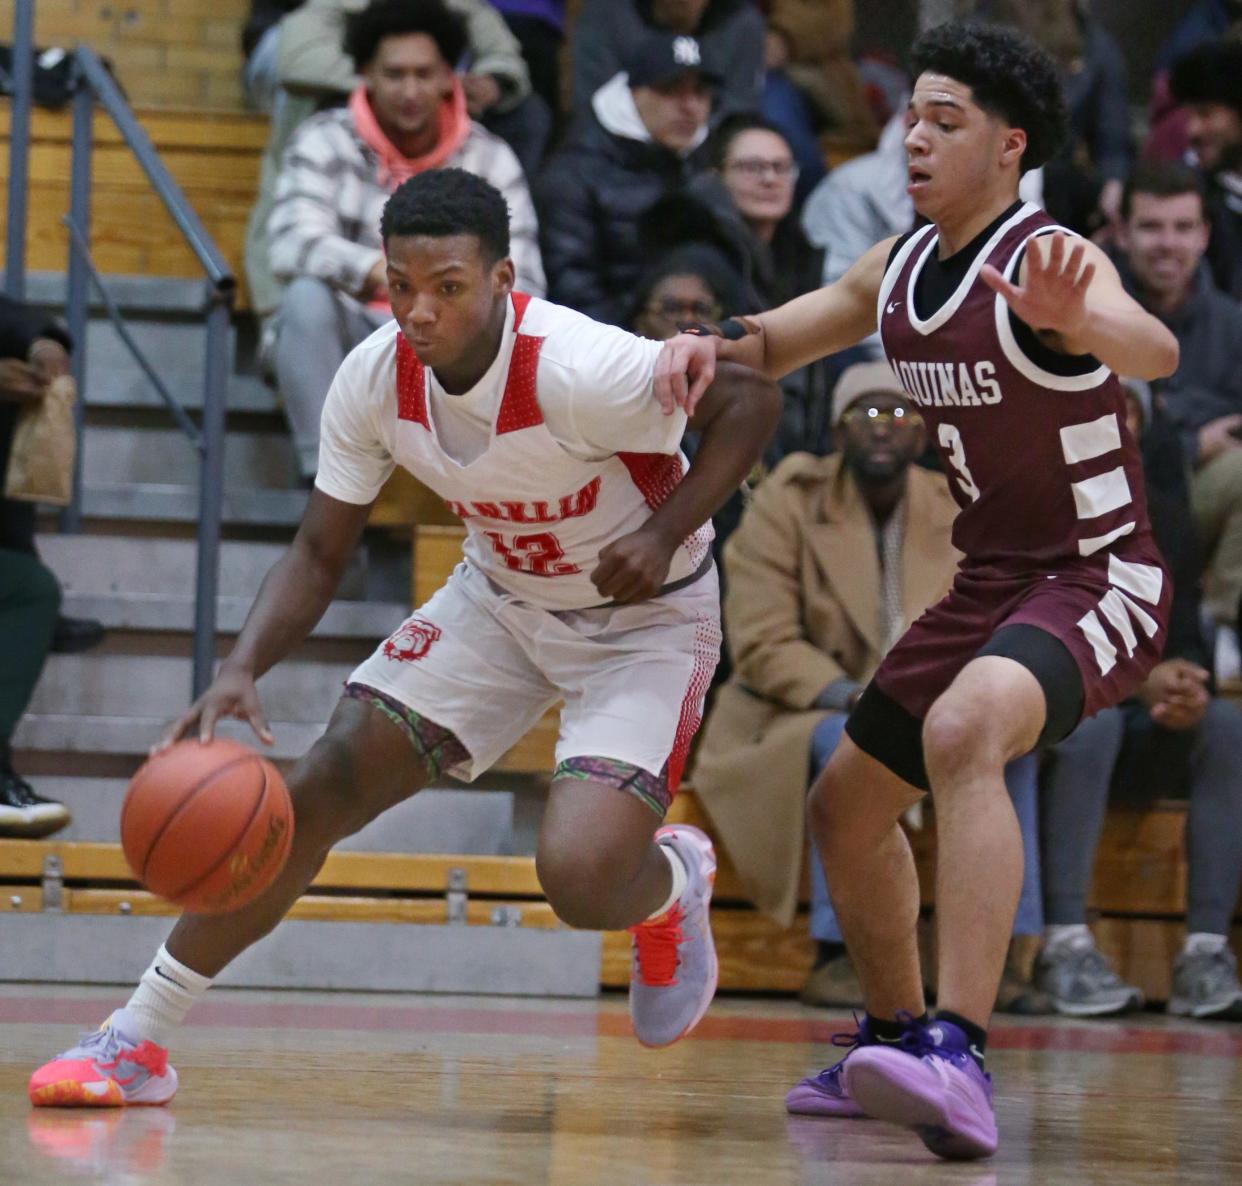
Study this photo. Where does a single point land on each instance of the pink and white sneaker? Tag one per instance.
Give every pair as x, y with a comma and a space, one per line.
674, 970
105, 1070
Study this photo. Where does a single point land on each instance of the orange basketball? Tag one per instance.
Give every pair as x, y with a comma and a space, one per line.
207, 826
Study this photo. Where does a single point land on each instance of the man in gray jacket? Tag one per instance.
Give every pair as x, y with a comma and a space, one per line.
1164, 236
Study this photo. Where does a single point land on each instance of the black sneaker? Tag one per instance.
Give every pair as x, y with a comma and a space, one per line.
25, 815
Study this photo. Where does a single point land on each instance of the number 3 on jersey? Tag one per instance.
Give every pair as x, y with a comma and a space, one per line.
951, 440
541, 554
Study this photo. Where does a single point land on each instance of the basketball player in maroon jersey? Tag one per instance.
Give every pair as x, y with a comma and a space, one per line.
1007, 332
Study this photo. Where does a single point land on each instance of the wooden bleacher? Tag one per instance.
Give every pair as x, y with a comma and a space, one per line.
215, 161
1139, 890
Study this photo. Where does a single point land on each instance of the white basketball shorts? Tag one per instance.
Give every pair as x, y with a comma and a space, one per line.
486, 665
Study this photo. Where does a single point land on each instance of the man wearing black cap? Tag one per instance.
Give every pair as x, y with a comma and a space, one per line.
731, 33
1208, 83
634, 143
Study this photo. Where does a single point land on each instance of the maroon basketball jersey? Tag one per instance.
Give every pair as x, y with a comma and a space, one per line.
1041, 464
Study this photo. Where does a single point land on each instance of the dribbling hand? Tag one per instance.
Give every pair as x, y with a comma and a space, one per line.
232, 694
1054, 296
684, 370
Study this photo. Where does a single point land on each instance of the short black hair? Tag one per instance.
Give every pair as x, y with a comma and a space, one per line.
1009, 76
364, 30
1162, 179
1209, 73
731, 127
443, 202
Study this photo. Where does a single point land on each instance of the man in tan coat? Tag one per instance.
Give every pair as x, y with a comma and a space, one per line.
832, 561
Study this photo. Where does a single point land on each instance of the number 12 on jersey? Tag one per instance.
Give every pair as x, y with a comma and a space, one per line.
951, 440
540, 555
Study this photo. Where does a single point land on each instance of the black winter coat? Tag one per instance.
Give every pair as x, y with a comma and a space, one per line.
590, 198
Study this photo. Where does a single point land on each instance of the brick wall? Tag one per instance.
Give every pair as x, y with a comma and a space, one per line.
166, 53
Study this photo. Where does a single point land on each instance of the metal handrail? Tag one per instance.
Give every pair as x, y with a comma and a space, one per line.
94, 85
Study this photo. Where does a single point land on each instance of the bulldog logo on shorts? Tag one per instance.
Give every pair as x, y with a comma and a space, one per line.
412, 641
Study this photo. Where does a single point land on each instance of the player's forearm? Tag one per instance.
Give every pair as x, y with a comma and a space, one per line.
732, 441
1137, 346
294, 595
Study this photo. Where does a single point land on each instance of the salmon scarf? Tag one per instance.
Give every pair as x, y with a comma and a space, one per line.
394, 168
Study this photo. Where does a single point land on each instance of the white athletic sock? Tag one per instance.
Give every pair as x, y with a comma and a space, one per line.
161, 1000
1068, 935
681, 878
1203, 943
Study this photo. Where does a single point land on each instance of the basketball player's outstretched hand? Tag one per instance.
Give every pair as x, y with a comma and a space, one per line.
1054, 296
633, 567
684, 370
232, 694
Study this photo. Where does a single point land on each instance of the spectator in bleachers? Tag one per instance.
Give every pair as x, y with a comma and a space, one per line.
1082, 184
539, 26
32, 354
1164, 235
693, 282
1175, 736
34, 350
314, 72
634, 141
260, 37
743, 203
1208, 20
812, 86
1207, 82
609, 33
407, 115
832, 561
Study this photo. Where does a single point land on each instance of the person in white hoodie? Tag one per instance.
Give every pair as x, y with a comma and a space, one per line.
639, 139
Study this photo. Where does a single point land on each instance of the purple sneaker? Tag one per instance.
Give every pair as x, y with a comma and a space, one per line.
929, 1083
824, 1094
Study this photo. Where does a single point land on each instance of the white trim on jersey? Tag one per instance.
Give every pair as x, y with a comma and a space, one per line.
1017, 356
1092, 544
951, 306
893, 271
1086, 442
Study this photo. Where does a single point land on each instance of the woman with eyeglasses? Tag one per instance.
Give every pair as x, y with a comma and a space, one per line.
743, 204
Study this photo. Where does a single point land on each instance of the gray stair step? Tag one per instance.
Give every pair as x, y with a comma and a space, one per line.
496, 960
370, 620
131, 293
152, 566
54, 732
158, 686
123, 456
179, 504
437, 820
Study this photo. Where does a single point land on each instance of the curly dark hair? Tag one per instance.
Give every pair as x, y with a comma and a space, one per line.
364, 30
1009, 76
443, 202
1210, 73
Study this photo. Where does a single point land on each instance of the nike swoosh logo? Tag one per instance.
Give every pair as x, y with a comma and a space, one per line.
976, 1052
893, 307
888, 1041
165, 976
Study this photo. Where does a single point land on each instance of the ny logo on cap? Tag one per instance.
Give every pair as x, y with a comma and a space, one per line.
686, 51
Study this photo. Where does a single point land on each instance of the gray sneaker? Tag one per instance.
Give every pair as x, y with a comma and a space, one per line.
674, 971
1205, 984
1082, 983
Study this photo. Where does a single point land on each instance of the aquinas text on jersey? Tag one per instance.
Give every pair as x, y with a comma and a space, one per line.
569, 506
949, 384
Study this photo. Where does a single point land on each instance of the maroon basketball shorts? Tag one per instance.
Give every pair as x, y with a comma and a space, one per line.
1088, 633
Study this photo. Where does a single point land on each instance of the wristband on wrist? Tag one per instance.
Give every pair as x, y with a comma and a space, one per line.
731, 329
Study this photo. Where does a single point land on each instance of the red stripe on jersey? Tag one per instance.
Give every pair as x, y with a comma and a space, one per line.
411, 385
706, 656
520, 301
655, 474
519, 406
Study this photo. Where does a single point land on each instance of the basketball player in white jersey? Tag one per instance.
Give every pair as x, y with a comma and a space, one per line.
587, 579
1007, 338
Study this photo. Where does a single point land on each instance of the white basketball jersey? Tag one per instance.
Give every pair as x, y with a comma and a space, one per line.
536, 517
